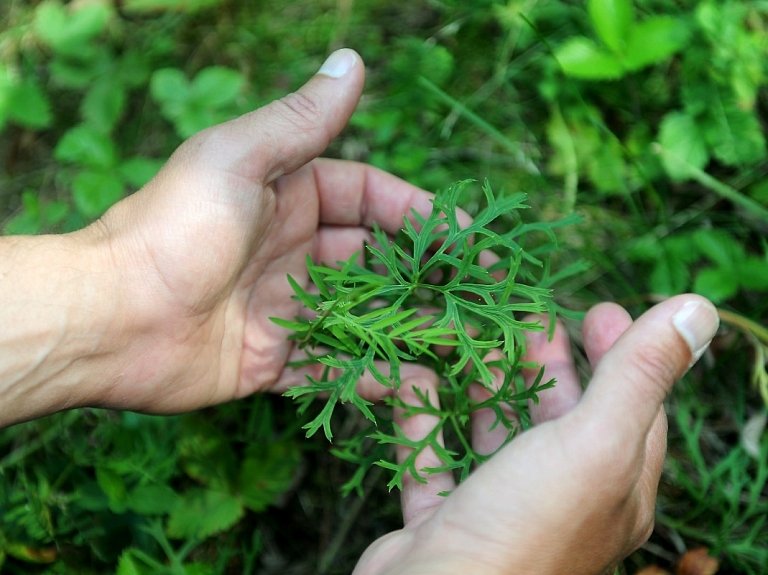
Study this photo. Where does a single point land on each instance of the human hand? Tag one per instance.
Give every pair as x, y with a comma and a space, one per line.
163, 305
575, 494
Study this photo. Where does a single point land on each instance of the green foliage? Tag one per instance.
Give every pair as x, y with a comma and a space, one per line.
645, 116
630, 45
193, 106
432, 288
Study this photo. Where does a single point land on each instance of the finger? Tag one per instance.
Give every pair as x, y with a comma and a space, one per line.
279, 138
637, 372
338, 244
557, 359
603, 325
419, 497
354, 194
491, 428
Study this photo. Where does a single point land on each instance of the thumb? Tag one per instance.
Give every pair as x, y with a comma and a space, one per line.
638, 371
283, 136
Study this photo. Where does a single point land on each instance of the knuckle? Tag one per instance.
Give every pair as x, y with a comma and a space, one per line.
655, 365
300, 110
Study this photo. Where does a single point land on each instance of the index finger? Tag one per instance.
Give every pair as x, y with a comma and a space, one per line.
355, 194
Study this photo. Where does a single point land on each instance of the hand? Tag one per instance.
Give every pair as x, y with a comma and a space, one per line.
163, 305
205, 247
575, 494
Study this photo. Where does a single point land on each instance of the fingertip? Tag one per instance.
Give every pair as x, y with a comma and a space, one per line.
555, 355
696, 321
340, 63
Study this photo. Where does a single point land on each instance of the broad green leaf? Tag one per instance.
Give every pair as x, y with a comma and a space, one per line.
216, 87
753, 273
612, 20
67, 29
7, 90
202, 513
170, 87
134, 69
24, 224
79, 74
152, 500
581, 58
207, 454
113, 486
719, 247
86, 146
194, 118
104, 104
654, 40
137, 171
54, 213
759, 191
127, 565
268, 471
94, 191
717, 284
735, 136
684, 143
29, 106
669, 276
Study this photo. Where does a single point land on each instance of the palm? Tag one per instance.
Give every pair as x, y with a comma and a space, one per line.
217, 270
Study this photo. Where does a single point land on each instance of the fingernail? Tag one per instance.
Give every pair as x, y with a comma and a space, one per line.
697, 323
338, 63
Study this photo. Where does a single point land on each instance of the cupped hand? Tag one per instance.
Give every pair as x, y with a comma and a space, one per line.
573, 495
201, 254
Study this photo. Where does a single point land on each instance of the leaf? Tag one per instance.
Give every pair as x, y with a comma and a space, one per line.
66, 30
681, 137
207, 454
215, 87
581, 58
716, 284
153, 500
735, 136
86, 146
95, 191
612, 20
137, 171
202, 513
669, 276
752, 273
23, 224
268, 471
113, 486
29, 106
127, 565
654, 40
170, 87
104, 104
719, 247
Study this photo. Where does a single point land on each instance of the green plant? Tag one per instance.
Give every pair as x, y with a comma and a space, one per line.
433, 286
665, 162
628, 45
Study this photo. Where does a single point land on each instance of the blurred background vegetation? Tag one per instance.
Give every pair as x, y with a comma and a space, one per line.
646, 118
